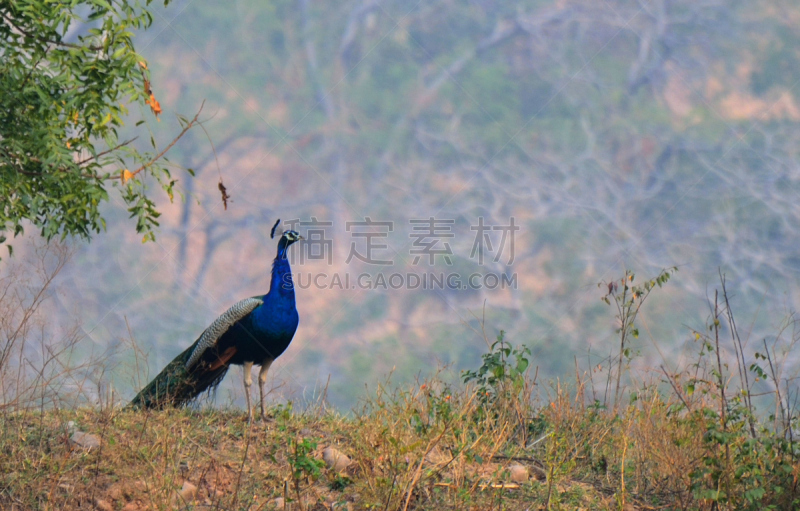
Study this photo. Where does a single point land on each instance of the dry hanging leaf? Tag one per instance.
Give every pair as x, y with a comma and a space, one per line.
225, 195
126, 176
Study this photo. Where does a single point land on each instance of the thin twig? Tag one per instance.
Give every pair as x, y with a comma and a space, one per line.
98, 155
174, 141
777, 386
241, 468
418, 471
213, 149
740, 361
675, 388
723, 400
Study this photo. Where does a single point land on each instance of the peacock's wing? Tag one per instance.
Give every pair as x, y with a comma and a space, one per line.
221, 325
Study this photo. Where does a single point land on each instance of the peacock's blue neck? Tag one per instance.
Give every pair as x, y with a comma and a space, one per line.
281, 283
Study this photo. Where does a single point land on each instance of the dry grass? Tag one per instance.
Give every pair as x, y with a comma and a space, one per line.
404, 456
430, 447
689, 440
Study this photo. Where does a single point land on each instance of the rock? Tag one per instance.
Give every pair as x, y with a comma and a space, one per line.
132, 506
277, 503
519, 473
188, 493
334, 459
103, 505
85, 440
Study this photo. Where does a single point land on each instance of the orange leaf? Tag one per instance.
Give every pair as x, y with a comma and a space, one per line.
126, 175
155, 106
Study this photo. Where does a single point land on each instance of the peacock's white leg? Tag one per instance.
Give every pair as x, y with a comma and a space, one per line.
248, 380
262, 379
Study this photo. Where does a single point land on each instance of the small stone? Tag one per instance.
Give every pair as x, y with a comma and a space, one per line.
519, 473
277, 503
188, 493
85, 440
103, 505
132, 506
335, 459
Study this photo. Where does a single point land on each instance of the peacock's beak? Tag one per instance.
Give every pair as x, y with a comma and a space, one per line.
300, 237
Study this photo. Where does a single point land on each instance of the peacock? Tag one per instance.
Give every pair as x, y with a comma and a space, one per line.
255, 330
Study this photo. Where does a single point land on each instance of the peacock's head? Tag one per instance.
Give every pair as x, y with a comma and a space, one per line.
287, 238
291, 237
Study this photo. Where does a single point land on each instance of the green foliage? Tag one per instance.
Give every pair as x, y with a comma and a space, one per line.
560, 461
303, 463
340, 482
283, 415
628, 299
438, 409
745, 464
502, 372
69, 73
742, 470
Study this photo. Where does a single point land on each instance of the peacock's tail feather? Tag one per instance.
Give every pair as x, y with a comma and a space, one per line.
176, 386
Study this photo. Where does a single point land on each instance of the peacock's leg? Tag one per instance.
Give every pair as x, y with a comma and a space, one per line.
248, 380
262, 379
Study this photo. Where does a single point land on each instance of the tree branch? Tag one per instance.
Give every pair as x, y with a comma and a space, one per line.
162, 153
106, 151
45, 40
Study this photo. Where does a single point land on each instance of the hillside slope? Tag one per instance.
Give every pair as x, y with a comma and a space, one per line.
427, 447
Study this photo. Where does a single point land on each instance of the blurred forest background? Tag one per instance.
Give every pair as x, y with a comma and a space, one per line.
618, 134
